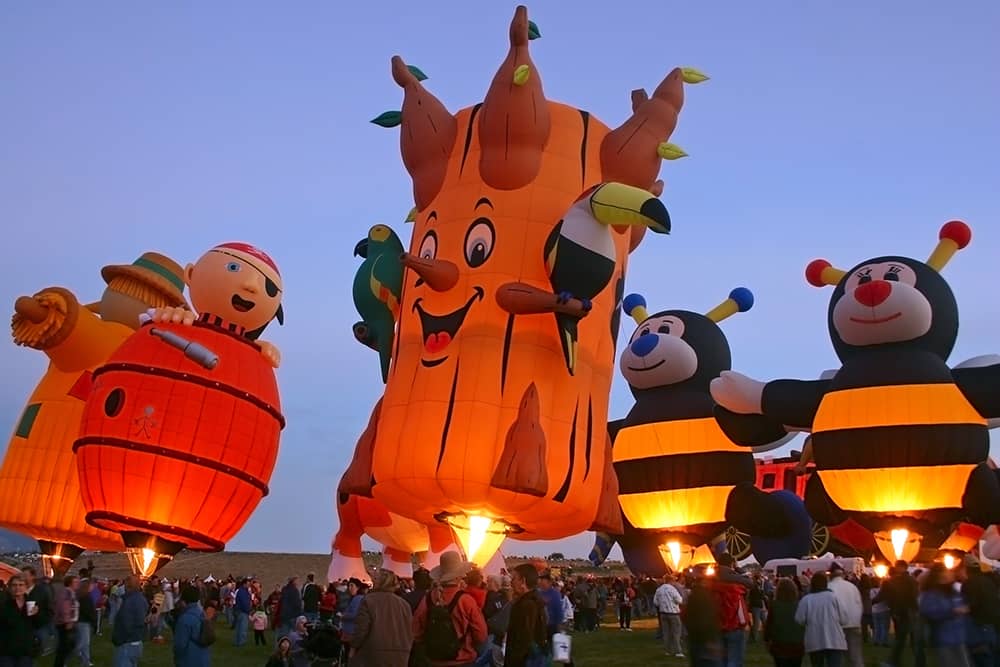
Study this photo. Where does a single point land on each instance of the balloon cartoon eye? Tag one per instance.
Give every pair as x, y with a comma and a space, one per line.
114, 402
664, 329
645, 331
479, 242
233, 267
429, 246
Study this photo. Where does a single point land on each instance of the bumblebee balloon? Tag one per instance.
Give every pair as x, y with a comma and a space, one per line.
900, 440
681, 480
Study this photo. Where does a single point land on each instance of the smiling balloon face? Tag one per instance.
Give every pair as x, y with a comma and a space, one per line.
485, 417
238, 283
463, 363
893, 300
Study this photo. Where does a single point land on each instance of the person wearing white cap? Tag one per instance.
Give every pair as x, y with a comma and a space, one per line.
468, 623
849, 599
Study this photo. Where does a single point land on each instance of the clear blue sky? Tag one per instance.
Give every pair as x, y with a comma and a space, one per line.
840, 130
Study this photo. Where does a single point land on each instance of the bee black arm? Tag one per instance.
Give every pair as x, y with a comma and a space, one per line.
981, 386
748, 430
793, 402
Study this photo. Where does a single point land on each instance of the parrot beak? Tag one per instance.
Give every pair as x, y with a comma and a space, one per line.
361, 250
617, 205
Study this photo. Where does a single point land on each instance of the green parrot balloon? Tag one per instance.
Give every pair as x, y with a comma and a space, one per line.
377, 286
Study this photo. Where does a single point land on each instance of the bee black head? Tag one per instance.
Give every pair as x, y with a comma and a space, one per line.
675, 348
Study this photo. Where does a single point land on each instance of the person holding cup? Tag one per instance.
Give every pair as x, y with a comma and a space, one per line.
18, 620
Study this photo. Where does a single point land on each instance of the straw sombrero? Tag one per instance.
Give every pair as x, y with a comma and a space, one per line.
155, 270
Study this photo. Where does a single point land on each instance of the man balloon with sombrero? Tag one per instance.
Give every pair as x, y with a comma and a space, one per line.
235, 286
39, 487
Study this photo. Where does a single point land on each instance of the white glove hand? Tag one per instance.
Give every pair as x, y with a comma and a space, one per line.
737, 393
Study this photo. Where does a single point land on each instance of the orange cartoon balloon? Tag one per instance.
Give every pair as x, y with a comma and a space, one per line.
180, 433
495, 406
39, 489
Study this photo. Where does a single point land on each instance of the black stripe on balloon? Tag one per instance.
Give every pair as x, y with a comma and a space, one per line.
590, 436
447, 417
508, 334
468, 136
583, 149
684, 471
192, 378
101, 519
923, 522
564, 489
167, 452
901, 446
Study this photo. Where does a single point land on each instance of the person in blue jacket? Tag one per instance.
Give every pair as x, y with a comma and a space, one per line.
945, 610
242, 608
187, 631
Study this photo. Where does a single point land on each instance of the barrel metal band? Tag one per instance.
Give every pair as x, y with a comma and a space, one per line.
141, 524
159, 450
206, 382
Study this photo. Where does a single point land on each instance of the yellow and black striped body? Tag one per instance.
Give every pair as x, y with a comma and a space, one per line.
676, 476
898, 450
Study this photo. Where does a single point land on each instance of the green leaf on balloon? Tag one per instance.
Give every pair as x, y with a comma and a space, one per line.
388, 119
533, 32
415, 71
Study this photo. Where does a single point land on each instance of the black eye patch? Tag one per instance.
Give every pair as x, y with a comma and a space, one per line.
270, 288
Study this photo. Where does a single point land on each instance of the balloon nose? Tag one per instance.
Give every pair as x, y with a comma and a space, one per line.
873, 293
644, 344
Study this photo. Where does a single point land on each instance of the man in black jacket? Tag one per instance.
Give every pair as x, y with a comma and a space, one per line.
527, 635
900, 593
310, 599
983, 597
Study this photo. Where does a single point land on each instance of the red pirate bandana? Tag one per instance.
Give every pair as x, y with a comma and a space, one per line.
252, 251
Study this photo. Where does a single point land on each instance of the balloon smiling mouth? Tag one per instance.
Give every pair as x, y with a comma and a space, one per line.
241, 305
440, 330
877, 320
649, 368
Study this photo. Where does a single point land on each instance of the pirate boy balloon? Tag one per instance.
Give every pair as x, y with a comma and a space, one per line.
235, 286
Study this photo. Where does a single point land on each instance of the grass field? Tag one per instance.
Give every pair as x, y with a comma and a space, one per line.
606, 648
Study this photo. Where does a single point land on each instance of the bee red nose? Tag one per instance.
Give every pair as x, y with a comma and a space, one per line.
873, 293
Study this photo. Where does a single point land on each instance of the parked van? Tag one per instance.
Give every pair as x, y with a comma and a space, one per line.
789, 567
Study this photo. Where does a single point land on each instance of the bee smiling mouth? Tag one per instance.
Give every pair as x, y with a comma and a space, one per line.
440, 330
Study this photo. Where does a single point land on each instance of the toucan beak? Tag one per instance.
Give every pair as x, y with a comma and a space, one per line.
361, 250
618, 204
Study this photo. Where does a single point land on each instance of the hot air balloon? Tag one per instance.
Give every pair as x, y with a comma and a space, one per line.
900, 440
493, 415
39, 488
180, 433
680, 478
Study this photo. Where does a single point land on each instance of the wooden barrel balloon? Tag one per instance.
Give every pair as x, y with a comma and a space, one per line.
179, 438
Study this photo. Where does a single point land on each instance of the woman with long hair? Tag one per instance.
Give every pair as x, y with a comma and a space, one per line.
944, 611
822, 617
783, 636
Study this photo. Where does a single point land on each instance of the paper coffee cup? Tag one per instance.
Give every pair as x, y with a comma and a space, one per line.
31, 605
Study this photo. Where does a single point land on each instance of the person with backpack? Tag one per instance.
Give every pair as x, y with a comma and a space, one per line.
730, 588
448, 624
193, 632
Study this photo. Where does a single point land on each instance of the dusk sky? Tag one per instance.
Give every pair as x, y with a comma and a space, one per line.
842, 130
